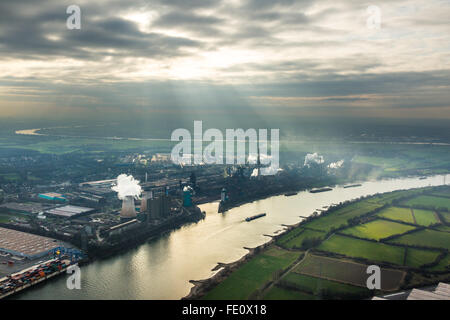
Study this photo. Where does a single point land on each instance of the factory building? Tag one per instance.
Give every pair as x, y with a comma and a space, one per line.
52, 196
24, 244
156, 207
70, 211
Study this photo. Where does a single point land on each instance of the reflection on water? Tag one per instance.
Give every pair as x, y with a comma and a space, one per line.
161, 269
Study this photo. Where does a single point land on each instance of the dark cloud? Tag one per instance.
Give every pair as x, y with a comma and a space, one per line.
297, 49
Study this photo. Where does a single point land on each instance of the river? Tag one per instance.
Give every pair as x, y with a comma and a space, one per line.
161, 269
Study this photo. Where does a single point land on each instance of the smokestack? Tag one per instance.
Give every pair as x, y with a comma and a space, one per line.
128, 209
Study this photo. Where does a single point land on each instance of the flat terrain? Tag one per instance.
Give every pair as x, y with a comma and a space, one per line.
341, 216
378, 229
443, 265
425, 238
295, 240
277, 293
425, 217
346, 241
251, 275
321, 286
429, 202
399, 214
369, 250
416, 257
346, 272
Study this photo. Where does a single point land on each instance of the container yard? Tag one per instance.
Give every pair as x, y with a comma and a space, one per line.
31, 276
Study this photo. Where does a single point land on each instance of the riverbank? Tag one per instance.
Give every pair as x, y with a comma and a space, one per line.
161, 269
202, 287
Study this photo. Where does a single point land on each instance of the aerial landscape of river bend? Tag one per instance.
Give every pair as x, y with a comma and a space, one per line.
162, 268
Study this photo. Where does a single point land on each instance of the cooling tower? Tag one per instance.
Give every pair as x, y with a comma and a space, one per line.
128, 209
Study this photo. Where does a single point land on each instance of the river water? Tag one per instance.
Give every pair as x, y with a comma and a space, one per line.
161, 269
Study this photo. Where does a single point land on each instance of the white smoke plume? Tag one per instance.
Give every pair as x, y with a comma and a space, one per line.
313, 158
127, 186
336, 165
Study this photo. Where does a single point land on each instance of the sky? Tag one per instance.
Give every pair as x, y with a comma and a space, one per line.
322, 58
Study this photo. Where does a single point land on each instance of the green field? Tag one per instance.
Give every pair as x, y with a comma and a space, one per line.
416, 257
442, 228
426, 238
252, 275
347, 272
363, 249
444, 264
340, 216
276, 293
314, 285
429, 202
378, 229
4, 218
425, 217
296, 239
446, 216
400, 214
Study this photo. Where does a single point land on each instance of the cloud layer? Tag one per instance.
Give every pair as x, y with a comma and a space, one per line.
172, 54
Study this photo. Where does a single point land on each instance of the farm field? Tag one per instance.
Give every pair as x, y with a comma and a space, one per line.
443, 193
416, 257
443, 265
363, 249
314, 285
443, 228
252, 275
446, 216
425, 238
425, 217
399, 214
346, 272
378, 229
296, 240
4, 218
340, 216
277, 293
336, 268
429, 201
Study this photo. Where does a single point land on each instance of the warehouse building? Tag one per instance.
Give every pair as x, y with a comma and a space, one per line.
70, 211
24, 244
52, 196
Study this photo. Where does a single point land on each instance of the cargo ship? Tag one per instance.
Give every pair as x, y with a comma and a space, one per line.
255, 217
290, 194
352, 186
320, 190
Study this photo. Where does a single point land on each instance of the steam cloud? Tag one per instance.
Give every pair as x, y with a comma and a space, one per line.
313, 158
127, 186
336, 165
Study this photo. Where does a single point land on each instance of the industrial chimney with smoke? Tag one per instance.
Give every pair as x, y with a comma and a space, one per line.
128, 189
128, 209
